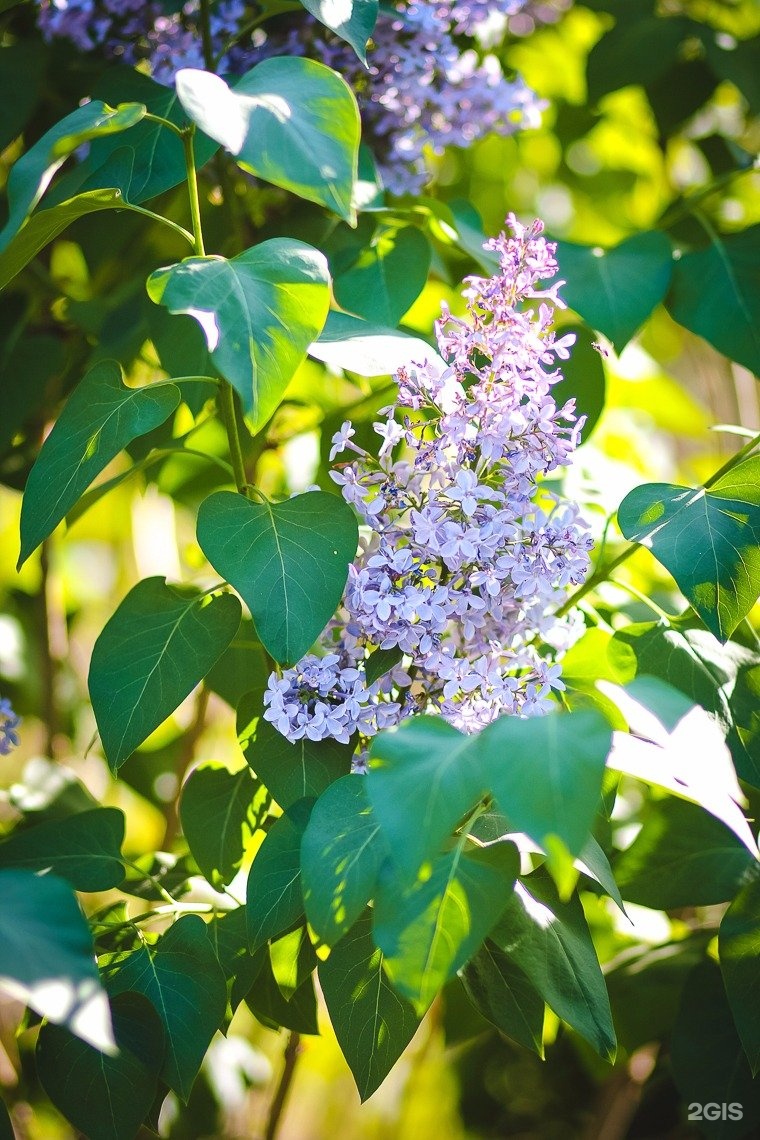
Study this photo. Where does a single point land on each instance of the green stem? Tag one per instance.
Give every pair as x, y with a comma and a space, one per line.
734, 461
192, 187
170, 126
164, 222
226, 402
251, 26
686, 207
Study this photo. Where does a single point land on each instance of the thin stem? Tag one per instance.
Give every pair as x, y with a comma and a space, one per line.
165, 222
686, 207
734, 461
170, 126
640, 596
251, 26
229, 419
151, 879
292, 1052
192, 187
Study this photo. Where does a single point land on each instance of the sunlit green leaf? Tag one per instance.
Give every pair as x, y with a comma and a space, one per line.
709, 540
387, 277
550, 942
259, 312
293, 122
47, 958
428, 929
341, 852
353, 20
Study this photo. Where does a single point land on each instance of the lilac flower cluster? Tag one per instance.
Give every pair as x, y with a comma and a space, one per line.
424, 91
132, 31
9, 722
465, 555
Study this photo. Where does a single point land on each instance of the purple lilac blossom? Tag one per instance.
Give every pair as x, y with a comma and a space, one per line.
429, 85
466, 556
9, 722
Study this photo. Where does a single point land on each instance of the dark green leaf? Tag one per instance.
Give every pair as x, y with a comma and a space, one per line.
716, 294
291, 772
354, 21
583, 378
341, 853
47, 957
183, 980
6, 1127
735, 61
105, 1097
739, 943
31, 175
682, 857
709, 1065
546, 772
229, 937
380, 662
645, 987
156, 155
259, 311
101, 417
219, 812
290, 121
241, 668
159, 644
84, 848
550, 942
615, 290
429, 929
288, 561
423, 778
594, 863
274, 899
368, 349
372, 1022
387, 277
503, 994
709, 540
46, 225
269, 1005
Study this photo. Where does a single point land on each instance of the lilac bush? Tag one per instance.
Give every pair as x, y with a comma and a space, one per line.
9, 723
465, 555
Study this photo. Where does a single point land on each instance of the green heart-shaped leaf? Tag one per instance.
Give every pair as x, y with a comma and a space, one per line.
259, 311
290, 121
288, 561
709, 540
616, 289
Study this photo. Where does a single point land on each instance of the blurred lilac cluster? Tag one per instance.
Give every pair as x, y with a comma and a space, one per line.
9, 722
133, 31
429, 84
466, 555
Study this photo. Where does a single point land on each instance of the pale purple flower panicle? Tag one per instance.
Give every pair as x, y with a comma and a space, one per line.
466, 555
9, 722
430, 83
